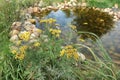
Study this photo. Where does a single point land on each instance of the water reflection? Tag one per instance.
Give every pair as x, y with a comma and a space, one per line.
61, 17
111, 42
90, 20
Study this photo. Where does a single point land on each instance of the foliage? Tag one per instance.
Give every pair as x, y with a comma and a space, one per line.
44, 62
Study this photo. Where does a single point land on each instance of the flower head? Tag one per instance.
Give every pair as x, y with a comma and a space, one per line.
25, 36
55, 32
69, 51
36, 44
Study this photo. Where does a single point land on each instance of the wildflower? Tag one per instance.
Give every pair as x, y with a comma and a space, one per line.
68, 47
20, 56
14, 51
62, 52
24, 35
23, 48
43, 21
70, 51
76, 56
57, 35
36, 44
55, 32
50, 20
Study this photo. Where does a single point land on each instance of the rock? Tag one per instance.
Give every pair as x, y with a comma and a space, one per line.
16, 26
44, 38
36, 30
31, 20
30, 10
36, 34
111, 13
41, 3
35, 9
118, 14
28, 16
14, 32
84, 4
32, 41
82, 57
13, 48
28, 26
32, 36
14, 38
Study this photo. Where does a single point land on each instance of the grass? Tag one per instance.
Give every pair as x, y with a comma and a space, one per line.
103, 3
44, 63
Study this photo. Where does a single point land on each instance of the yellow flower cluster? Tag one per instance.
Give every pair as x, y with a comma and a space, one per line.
50, 20
55, 32
70, 51
25, 36
19, 52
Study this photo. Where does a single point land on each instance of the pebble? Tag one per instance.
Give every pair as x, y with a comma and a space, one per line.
82, 56
16, 26
14, 32
14, 38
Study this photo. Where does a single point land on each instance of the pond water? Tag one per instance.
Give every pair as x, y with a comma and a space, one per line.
110, 36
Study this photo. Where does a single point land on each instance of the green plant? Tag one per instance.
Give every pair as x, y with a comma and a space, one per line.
44, 62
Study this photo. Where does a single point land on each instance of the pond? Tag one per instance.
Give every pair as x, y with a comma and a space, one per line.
109, 35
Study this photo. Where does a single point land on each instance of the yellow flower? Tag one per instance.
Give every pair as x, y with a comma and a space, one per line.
36, 44
58, 31
51, 30
50, 20
23, 48
68, 46
24, 35
69, 51
43, 21
55, 32
20, 56
14, 51
57, 35
62, 52
76, 56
